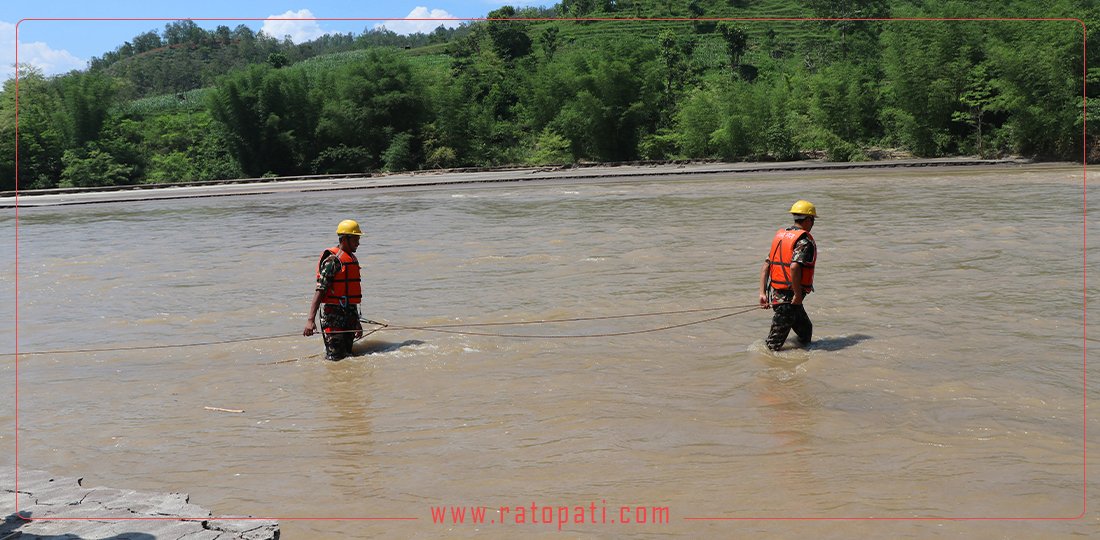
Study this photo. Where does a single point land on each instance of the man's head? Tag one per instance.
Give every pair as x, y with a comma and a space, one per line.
349, 233
804, 213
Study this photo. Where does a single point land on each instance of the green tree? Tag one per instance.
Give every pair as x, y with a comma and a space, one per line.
845, 101
175, 147
551, 149
171, 167
399, 156
1038, 88
91, 166
577, 8
269, 117
924, 67
698, 119
737, 42
609, 101
371, 104
509, 37
849, 32
87, 98
182, 32
122, 138
146, 42
733, 120
42, 138
342, 159
550, 42
483, 110
675, 52
978, 99
277, 60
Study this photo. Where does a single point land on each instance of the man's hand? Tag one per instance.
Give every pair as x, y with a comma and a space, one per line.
311, 327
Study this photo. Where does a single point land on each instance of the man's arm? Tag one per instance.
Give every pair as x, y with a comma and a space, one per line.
764, 284
327, 270
796, 285
311, 324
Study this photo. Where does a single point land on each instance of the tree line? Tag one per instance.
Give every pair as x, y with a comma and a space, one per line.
512, 91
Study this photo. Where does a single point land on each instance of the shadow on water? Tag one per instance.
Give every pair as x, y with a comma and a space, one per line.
837, 343
791, 359
13, 522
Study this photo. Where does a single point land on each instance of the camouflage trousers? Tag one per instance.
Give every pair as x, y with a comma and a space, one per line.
789, 317
336, 321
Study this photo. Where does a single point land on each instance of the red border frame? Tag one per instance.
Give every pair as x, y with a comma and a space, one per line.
1084, 251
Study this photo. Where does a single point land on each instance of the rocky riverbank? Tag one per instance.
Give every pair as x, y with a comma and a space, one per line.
52, 507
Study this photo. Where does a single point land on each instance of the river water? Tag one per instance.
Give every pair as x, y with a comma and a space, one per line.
945, 381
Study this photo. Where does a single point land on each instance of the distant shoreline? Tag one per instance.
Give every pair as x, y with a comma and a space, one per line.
442, 177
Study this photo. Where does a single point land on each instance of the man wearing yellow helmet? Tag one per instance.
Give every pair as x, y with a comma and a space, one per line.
788, 276
339, 289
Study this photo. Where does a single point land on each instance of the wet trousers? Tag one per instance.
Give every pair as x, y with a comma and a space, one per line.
338, 324
789, 317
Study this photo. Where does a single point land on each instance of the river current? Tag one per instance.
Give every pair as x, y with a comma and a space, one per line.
945, 384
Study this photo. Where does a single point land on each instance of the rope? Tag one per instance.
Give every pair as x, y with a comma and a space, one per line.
438, 328
151, 347
574, 319
289, 360
441, 328
297, 358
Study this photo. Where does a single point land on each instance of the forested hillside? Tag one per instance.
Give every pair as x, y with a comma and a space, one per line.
583, 81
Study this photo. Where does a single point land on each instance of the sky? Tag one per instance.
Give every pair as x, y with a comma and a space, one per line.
70, 39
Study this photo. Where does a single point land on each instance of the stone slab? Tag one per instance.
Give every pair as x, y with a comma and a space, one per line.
61, 508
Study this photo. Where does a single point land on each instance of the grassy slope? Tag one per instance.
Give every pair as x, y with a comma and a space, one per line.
648, 18
710, 48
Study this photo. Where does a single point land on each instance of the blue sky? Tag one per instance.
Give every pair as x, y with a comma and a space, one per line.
57, 46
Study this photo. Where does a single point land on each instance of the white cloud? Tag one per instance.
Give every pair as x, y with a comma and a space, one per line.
38, 54
406, 27
51, 61
299, 31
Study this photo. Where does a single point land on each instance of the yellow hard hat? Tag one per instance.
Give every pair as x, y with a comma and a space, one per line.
805, 208
349, 226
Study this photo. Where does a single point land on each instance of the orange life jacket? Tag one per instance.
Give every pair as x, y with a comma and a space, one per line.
345, 287
780, 260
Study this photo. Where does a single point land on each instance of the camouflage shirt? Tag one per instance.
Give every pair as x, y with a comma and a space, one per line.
334, 316
804, 252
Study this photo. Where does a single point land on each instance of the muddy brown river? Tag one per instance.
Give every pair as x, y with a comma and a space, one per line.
945, 385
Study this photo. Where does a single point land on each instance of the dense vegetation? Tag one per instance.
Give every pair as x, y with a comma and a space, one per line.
529, 87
